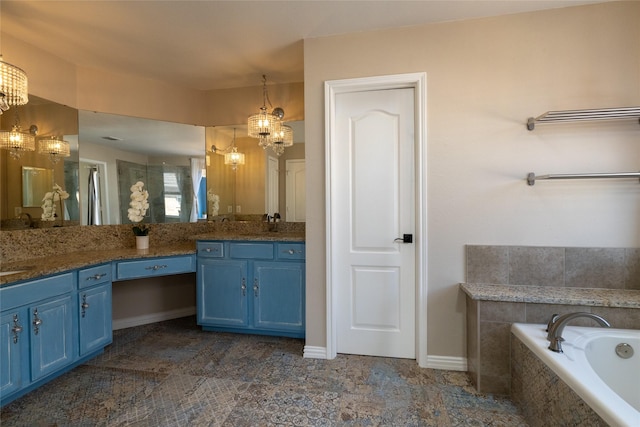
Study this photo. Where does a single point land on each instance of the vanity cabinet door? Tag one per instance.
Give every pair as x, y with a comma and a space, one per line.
94, 318
221, 292
51, 333
279, 296
14, 344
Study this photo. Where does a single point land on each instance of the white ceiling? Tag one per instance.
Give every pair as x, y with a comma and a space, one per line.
220, 44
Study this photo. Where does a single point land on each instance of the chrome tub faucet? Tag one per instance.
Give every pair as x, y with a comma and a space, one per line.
556, 325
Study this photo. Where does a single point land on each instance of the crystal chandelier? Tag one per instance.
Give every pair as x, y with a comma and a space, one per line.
231, 157
56, 148
268, 127
17, 141
13, 86
281, 138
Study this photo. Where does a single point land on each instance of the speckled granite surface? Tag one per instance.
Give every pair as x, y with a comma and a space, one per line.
623, 298
42, 252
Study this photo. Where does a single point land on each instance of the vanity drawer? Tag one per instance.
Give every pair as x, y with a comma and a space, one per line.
125, 270
94, 275
251, 250
211, 249
291, 251
36, 290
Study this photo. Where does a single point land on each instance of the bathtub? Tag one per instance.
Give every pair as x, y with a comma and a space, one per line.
589, 365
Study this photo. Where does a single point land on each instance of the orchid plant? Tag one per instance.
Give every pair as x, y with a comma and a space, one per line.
49, 203
214, 202
138, 208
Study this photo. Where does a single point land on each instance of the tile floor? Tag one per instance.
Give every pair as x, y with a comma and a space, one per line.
173, 374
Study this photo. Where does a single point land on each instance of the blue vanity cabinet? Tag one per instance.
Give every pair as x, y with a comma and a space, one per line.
278, 290
248, 287
38, 331
14, 345
94, 308
221, 294
153, 267
51, 336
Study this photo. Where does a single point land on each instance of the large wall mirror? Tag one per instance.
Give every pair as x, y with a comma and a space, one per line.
109, 153
264, 184
24, 181
118, 151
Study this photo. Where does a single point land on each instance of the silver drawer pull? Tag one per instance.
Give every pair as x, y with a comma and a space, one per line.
291, 251
96, 276
36, 322
211, 249
156, 267
84, 305
16, 329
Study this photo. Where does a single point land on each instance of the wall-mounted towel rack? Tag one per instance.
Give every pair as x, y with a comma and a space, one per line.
584, 115
531, 177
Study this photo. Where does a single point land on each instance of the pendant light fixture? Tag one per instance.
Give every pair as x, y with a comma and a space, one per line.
17, 141
13, 86
56, 148
268, 127
232, 157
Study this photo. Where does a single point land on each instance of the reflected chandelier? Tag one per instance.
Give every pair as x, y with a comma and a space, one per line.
268, 127
13, 86
231, 157
56, 148
17, 141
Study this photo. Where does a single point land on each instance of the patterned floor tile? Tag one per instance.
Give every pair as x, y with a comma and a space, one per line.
174, 374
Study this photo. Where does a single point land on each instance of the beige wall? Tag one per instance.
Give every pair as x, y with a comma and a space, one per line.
484, 79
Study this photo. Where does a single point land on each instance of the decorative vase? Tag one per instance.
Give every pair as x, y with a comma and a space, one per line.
142, 242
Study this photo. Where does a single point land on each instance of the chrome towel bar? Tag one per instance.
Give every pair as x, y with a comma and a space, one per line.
579, 115
531, 177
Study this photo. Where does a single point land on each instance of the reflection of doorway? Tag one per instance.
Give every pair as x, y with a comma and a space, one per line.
295, 193
85, 166
272, 186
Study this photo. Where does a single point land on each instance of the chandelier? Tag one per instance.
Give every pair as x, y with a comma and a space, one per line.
268, 127
17, 141
13, 86
56, 148
281, 138
231, 157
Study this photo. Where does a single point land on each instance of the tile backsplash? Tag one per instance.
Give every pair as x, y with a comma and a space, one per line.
611, 268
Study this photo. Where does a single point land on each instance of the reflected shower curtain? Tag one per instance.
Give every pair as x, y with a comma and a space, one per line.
197, 165
94, 212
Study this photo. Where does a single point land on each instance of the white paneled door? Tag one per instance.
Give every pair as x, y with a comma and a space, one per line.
296, 194
373, 207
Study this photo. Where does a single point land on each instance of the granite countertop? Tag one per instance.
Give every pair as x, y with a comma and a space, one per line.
46, 266
269, 236
623, 298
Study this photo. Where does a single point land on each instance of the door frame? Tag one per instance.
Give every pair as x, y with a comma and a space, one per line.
417, 81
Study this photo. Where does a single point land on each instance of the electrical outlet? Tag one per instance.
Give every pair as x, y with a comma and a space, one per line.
238, 209
229, 209
17, 211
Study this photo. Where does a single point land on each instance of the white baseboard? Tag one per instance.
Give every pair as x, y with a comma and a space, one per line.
433, 362
152, 318
447, 363
311, 352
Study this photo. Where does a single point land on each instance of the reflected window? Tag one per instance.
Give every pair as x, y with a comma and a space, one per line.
172, 195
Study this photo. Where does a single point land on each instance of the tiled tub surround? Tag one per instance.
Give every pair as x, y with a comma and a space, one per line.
542, 396
508, 284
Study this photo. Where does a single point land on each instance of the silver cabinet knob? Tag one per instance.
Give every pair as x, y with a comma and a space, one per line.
16, 329
36, 322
